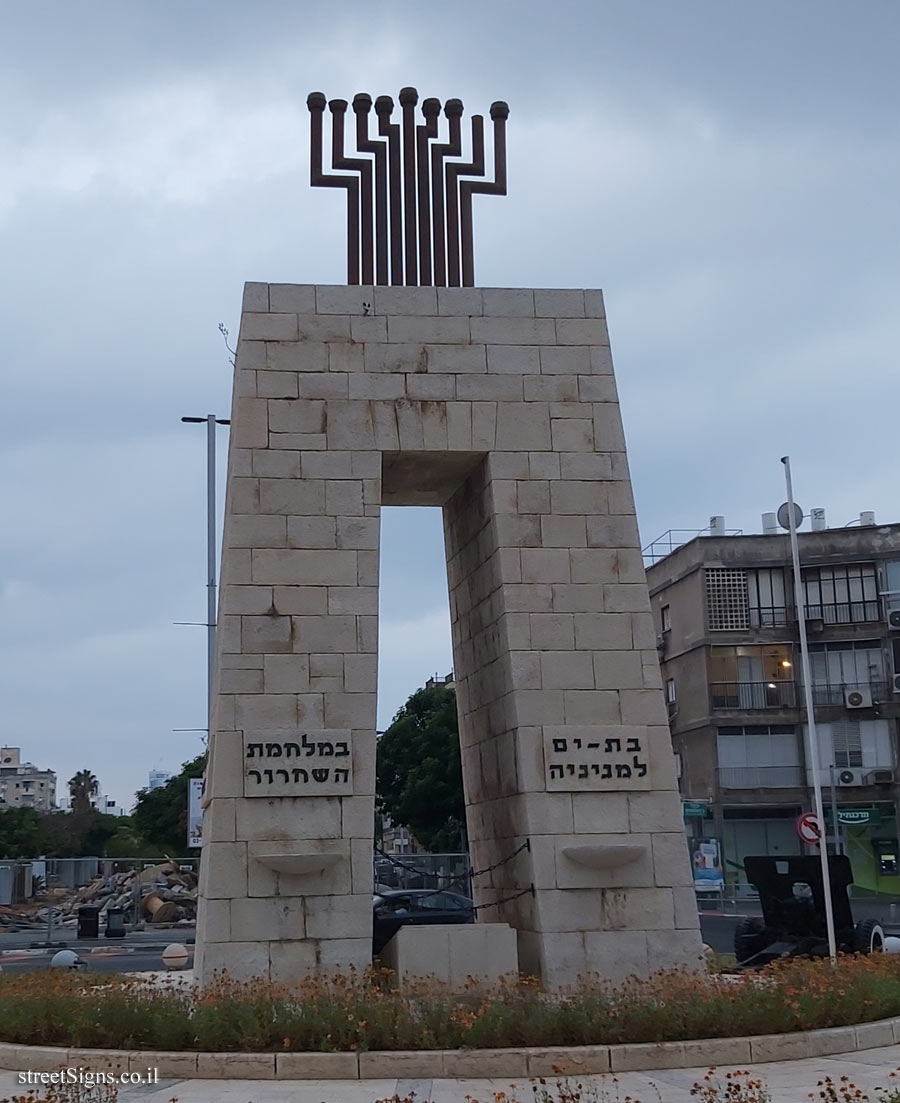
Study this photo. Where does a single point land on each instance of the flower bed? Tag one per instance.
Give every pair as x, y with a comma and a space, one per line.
355, 1014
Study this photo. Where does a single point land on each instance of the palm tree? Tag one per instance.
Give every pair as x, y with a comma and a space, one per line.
82, 787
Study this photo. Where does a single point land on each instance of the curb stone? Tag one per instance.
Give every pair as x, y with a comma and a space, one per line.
489, 1063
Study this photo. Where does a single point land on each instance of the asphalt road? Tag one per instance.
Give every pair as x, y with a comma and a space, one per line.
717, 930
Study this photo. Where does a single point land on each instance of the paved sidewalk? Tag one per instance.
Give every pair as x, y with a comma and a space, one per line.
787, 1081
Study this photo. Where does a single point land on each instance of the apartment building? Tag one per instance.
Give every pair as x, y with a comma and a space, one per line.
728, 641
23, 785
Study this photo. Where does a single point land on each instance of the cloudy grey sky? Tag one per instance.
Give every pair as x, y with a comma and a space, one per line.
726, 172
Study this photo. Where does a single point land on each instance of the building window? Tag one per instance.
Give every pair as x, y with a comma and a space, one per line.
847, 743
846, 665
856, 744
665, 619
752, 677
671, 693
767, 603
759, 756
726, 599
841, 595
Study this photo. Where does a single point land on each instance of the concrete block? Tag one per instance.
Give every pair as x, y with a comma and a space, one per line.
311, 532
318, 1066
508, 302
513, 331
313, 567
256, 298
524, 360
240, 961
344, 300
576, 331
339, 917
236, 1066
484, 1063
453, 954
559, 303
406, 300
291, 298
312, 600
647, 1055
572, 1060
280, 819
436, 330
565, 361
267, 920
268, 327
779, 1047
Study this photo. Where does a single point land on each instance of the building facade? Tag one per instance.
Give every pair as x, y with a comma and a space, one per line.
23, 785
728, 639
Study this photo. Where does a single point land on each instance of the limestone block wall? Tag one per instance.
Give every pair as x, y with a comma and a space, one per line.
500, 406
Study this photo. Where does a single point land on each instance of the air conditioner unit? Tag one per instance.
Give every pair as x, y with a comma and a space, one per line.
880, 777
894, 618
858, 698
850, 777
897, 683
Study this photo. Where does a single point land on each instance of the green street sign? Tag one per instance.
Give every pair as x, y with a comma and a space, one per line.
696, 809
856, 817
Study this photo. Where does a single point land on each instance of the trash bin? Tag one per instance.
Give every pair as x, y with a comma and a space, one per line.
89, 921
115, 923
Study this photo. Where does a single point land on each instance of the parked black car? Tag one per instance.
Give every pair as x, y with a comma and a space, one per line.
393, 910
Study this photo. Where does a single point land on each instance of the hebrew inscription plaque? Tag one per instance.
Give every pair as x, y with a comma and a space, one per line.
595, 758
298, 763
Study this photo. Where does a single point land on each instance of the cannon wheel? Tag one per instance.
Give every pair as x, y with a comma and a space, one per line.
868, 937
749, 938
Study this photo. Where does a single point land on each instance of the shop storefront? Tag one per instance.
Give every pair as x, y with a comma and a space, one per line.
868, 836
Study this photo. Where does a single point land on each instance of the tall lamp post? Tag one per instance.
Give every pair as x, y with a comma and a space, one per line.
812, 740
211, 421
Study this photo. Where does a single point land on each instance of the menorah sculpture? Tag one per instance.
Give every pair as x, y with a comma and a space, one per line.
409, 208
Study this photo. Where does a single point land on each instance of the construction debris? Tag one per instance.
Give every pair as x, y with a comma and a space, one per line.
163, 895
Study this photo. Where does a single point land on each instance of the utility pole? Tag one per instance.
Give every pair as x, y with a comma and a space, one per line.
812, 740
211, 421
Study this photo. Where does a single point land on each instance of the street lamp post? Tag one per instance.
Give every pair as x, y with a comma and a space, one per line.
211, 421
812, 741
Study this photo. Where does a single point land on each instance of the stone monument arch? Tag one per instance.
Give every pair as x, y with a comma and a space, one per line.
499, 405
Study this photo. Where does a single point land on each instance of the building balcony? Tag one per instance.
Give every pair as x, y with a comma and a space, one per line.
761, 777
737, 696
844, 612
837, 694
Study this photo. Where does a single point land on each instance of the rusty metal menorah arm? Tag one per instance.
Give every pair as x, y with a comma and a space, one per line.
318, 178
453, 109
384, 108
457, 211
409, 97
431, 109
364, 167
497, 186
362, 105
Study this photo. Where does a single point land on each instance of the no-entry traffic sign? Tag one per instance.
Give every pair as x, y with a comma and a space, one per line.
809, 829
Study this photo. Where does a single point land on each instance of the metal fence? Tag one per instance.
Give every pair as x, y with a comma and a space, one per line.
423, 871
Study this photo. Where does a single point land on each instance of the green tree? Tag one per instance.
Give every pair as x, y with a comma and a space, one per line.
20, 833
419, 772
82, 787
160, 815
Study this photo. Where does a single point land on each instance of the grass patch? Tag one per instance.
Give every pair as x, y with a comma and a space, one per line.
362, 1013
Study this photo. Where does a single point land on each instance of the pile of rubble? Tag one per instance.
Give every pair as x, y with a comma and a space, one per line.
162, 895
